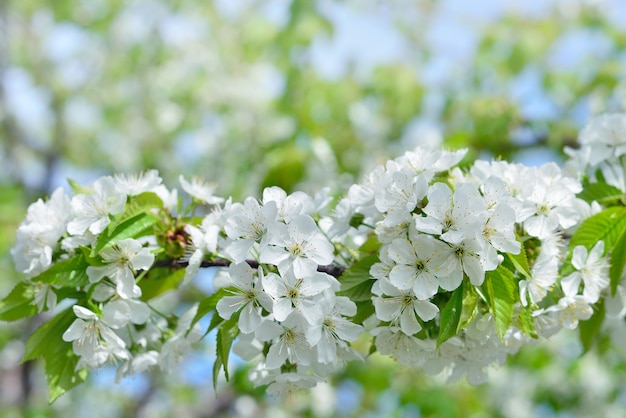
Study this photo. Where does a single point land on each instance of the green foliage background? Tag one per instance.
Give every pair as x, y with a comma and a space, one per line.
239, 95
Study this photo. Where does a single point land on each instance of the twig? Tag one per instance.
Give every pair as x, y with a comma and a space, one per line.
332, 269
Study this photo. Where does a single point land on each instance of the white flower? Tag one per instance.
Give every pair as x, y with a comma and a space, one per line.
382, 269
456, 217
425, 159
570, 310
287, 384
137, 364
200, 190
416, 265
91, 211
605, 137
176, 346
168, 197
592, 269
408, 350
127, 310
288, 206
401, 308
300, 242
544, 274
135, 184
203, 241
334, 330
294, 293
401, 195
38, 235
249, 224
93, 338
465, 257
288, 342
362, 196
499, 226
249, 297
341, 219
551, 203
122, 260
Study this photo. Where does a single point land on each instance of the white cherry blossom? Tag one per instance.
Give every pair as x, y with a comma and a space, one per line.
91, 211
176, 346
247, 224
39, 233
299, 243
416, 264
204, 241
592, 269
401, 307
401, 196
121, 261
293, 292
544, 274
455, 216
93, 338
288, 341
200, 190
248, 297
334, 330
134, 184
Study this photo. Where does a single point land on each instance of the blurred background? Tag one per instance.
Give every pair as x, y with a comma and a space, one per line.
299, 94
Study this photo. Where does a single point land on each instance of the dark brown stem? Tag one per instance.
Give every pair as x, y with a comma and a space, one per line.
332, 269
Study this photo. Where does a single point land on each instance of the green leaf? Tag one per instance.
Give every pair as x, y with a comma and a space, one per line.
470, 301
364, 309
590, 328
226, 334
601, 192
159, 280
142, 203
618, 260
67, 273
130, 228
607, 226
356, 282
47, 343
19, 303
502, 294
451, 316
216, 321
78, 188
60, 365
370, 247
209, 303
527, 322
520, 262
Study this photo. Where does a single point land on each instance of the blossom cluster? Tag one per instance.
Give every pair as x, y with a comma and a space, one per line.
448, 269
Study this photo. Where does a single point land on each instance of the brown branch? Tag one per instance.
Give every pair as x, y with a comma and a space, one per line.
332, 269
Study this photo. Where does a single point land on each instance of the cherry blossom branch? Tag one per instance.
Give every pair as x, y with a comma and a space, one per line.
334, 270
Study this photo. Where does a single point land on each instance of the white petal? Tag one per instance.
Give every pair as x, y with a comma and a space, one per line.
282, 309
249, 319
228, 305
142, 260
425, 309
579, 257
386, 309
84, 313
276, 356
75, 331
408, 322
403, 276
116, 313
